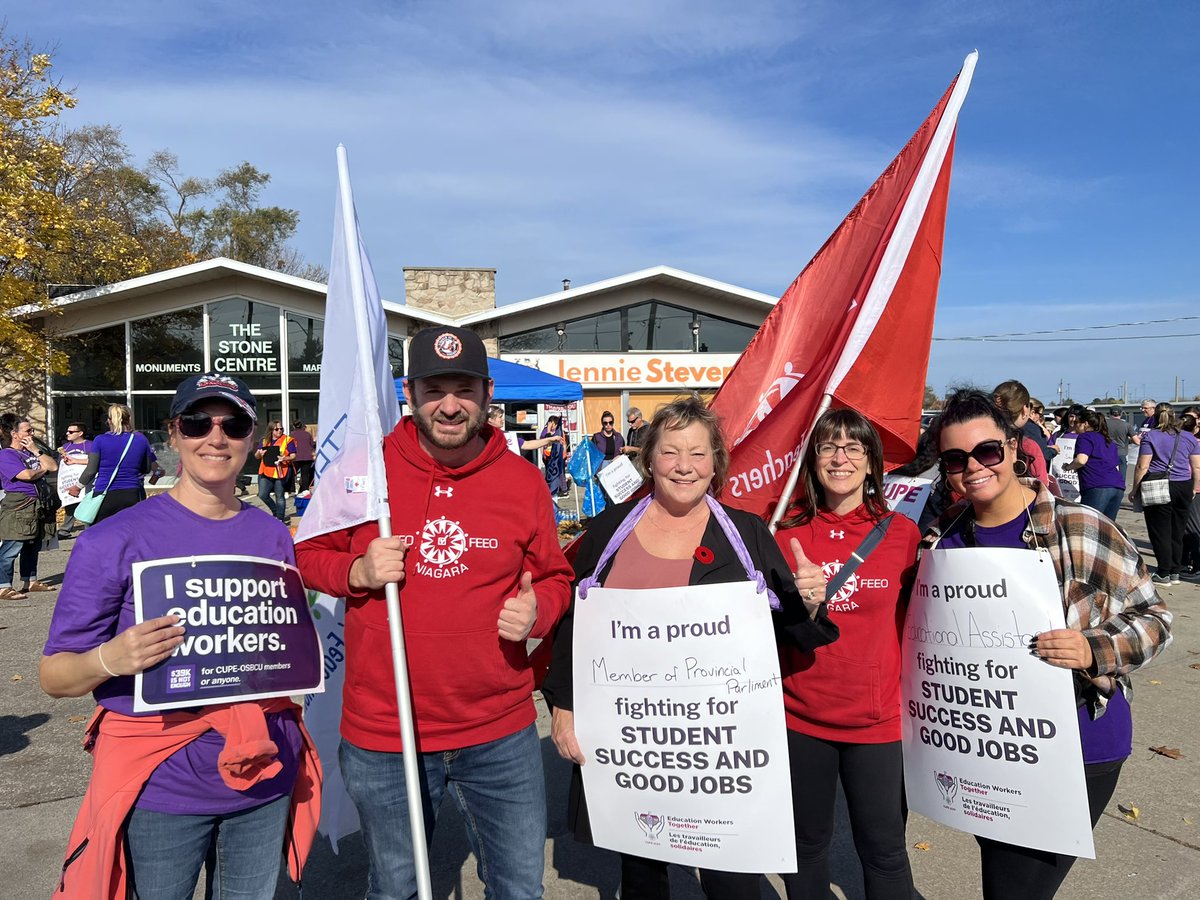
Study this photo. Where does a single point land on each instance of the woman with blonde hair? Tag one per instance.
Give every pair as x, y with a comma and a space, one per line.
679, 535
115, 467
1169, 453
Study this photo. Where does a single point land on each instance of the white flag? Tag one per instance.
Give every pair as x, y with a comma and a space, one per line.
355, 412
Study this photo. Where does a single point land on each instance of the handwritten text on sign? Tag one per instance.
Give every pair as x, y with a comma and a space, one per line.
991, 736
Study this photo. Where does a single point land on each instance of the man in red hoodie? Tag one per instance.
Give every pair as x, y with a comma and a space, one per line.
480, 571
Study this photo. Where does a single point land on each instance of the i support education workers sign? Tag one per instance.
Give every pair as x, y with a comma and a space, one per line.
248, 633
991, 734
679, 713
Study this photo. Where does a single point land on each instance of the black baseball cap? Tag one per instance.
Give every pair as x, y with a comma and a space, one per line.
446, 350
214, 384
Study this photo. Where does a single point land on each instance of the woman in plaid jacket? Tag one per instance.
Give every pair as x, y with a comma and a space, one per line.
1115, 620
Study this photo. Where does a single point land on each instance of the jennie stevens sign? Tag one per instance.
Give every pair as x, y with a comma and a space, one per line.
248, 633
679, 713
991, 734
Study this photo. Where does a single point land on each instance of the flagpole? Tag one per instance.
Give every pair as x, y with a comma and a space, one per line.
794, 476
416, 817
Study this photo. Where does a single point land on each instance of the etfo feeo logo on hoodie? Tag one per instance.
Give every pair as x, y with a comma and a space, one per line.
442, 545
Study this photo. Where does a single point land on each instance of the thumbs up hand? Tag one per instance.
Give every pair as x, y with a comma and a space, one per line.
808, 578
519, 612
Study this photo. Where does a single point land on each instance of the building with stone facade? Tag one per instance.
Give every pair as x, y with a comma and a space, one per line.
633, 340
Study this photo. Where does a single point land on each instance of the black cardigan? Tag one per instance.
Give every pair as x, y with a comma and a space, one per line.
792, 623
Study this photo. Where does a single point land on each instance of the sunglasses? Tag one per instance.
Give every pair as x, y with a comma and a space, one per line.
199, 424
986, 453
607, 422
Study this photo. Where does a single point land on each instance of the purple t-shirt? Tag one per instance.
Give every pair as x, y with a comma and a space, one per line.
1106, 739
96, 603
133, 466
305, 445
78, 450
1157, 444
1101, 470
13, 463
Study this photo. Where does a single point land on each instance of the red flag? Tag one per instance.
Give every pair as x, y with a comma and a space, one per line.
855, 325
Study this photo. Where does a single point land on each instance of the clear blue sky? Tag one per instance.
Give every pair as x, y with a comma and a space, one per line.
556, 139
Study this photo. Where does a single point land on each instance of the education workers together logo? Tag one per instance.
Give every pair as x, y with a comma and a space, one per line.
947, 786
650, 823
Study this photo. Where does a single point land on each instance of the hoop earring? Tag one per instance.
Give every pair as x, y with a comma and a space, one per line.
1023, 471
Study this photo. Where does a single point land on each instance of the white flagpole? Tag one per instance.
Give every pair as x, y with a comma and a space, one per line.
794, 476
416, 816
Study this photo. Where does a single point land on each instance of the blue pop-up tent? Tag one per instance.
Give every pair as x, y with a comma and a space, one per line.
523, 384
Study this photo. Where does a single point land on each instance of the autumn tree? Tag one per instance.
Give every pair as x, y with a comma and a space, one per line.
44, 232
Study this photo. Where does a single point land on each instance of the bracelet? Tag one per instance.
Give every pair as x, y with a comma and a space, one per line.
103, 664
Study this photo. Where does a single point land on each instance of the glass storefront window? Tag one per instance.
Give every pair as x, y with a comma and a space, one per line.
97, 360
167, 348
91, 412
244, 341
151, 412
305, 342
396, 356
658, 326
722, 336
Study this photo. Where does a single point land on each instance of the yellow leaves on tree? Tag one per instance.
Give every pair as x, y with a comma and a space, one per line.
45, 237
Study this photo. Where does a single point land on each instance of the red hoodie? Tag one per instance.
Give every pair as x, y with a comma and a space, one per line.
850, 690
471, 532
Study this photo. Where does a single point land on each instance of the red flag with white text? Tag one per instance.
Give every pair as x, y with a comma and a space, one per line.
855, 325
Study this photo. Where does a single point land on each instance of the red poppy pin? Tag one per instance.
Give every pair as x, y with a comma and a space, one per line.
704, 555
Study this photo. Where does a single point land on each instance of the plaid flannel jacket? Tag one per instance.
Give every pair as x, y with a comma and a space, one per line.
1107, 591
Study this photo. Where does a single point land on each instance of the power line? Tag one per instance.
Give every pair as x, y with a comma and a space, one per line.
1007, 340
1014, 334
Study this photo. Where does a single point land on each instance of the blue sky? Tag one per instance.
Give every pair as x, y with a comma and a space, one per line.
557, 139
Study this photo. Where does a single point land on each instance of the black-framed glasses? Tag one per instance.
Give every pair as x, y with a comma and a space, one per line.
606, 421
986, 453
854, 452
199, 424
277, 428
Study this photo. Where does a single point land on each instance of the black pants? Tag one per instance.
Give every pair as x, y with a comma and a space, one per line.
1010, 871
304, 470
1166, 524
646, 879
872, 777
115, 501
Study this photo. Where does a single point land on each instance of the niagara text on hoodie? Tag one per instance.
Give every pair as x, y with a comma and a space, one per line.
850, 690
471, 531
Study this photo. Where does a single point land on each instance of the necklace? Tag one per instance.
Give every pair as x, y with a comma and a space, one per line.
691, 526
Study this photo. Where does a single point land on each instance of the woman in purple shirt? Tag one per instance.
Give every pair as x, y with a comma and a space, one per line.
21, 516
117, 463
96, 645
1168, 448
1097, 460
1116, 620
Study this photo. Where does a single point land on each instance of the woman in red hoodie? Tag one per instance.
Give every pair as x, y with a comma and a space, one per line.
842, 700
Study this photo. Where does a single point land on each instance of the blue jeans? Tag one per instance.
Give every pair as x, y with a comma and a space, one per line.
498, 786
9, 551
1106, 499
276, 486
240, 852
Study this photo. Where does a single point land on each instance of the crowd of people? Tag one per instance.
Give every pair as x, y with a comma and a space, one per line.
230, 787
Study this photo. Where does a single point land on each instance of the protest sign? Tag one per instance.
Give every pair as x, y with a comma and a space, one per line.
991, 735
1068, 482
248, 633
68, 477
907, 494
621, 479
679, 713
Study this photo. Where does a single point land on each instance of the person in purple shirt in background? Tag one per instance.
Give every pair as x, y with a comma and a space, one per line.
118, 460
305, 458
74, 452
23, 519
1168, 448
1097, 460
96, 645
1102, 580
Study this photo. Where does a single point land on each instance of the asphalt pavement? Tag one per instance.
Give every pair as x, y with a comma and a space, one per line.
1151, 851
